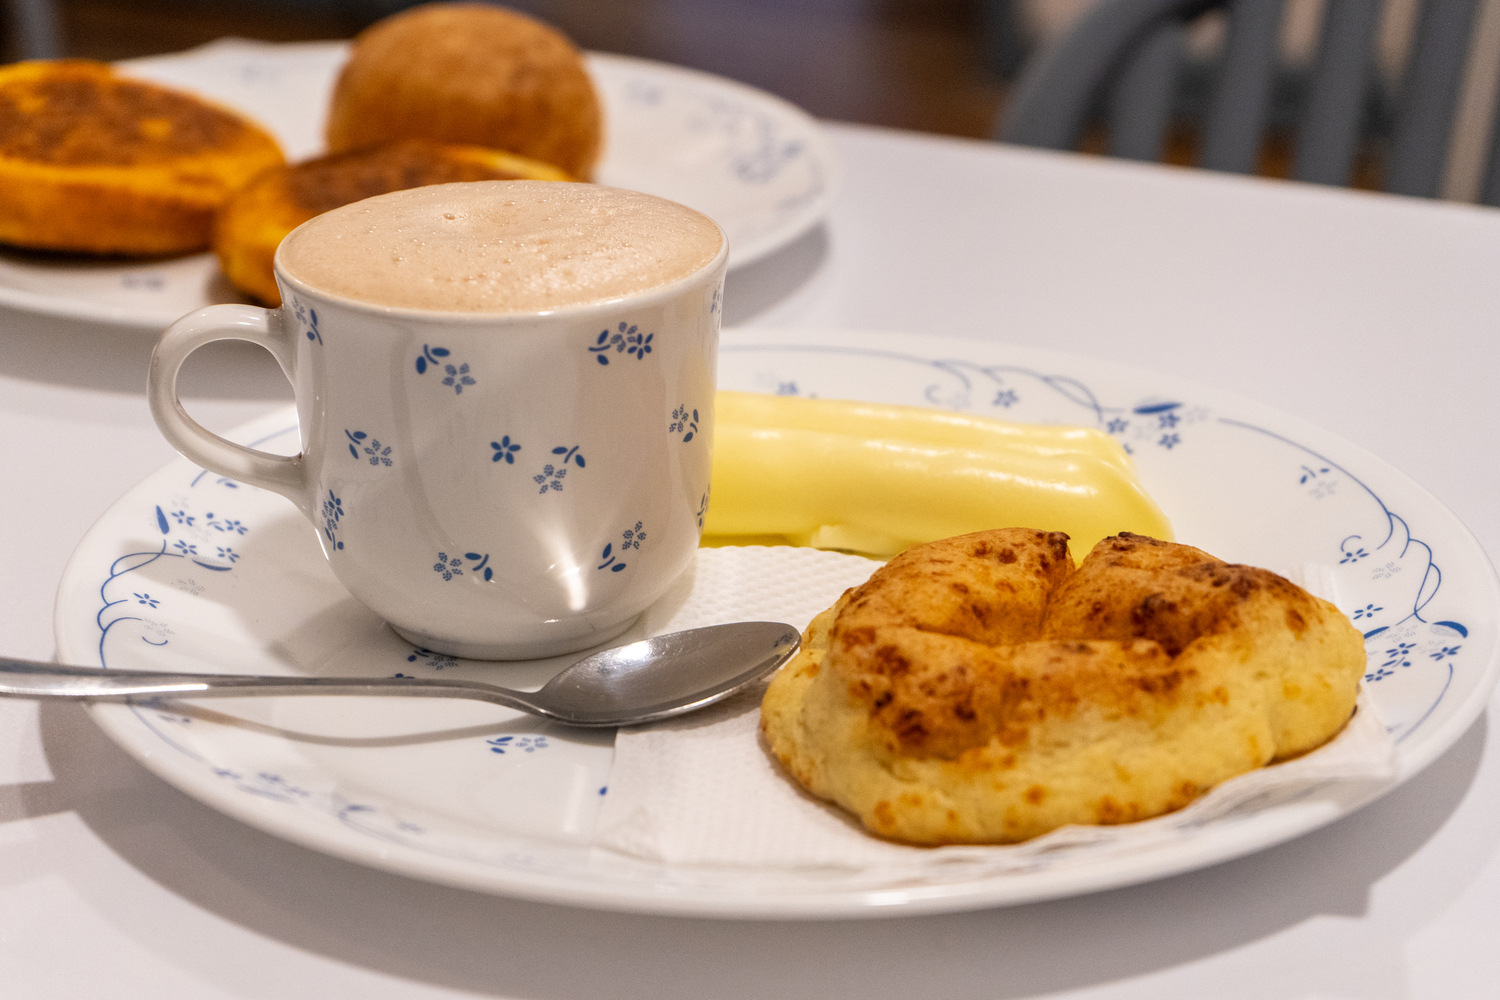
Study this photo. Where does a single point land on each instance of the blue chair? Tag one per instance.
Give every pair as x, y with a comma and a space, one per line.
1124, 57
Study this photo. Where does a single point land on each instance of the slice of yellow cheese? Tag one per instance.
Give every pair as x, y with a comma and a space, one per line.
877, 478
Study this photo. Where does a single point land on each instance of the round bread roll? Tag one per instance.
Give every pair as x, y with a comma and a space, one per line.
980, 690
95, 162
468, 73
261, 214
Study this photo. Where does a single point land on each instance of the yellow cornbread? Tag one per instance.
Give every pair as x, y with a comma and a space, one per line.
877, 478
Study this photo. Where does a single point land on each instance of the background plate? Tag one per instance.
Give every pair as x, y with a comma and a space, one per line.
189, 570
757, 165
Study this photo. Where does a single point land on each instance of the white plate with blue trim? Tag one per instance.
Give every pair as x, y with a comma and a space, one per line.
760, 167
191, 571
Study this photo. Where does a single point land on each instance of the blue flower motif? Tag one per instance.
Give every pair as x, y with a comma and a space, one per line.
552, 476
225, 552
437, 661
1400, 655
1379, 675
605, 341
429, 356
631, 539
569, 455
481, 562
333, 511
637, 345
183, 548
504, 450
627, 339
786, 388
229, 525
147, 600
1006, 398
1169, 441
1445, 652
1355, 556
682, 422
1368, 611
1168, 419
528, 744
183, 517
448, 567
372, 448
1309, 474
458, 377
1117, 425
308, 318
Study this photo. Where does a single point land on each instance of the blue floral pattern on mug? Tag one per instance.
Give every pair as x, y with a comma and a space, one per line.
481, 565
430, 358
551, 476
448, 567
360, 441
457, 377
309, 319
333, 512
627, 339
683, 421
631, 539
504, 450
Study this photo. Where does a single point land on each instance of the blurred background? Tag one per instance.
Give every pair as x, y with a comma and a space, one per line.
939, 66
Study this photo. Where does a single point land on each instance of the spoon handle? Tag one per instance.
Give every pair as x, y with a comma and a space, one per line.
32, 679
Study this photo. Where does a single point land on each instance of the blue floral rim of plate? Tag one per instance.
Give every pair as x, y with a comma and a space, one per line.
1390, 580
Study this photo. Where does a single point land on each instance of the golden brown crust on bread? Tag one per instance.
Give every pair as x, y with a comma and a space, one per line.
469, 73
96, 162
255, 221
980, 690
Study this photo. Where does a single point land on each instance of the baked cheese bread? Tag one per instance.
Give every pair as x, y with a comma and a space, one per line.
982, 690
97, 162
254, 222
469, 73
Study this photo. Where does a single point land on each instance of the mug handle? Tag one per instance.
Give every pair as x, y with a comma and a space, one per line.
277, 473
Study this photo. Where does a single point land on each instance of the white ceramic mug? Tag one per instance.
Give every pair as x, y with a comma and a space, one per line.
493, 486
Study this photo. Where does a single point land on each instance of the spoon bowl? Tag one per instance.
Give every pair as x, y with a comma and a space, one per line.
645, 681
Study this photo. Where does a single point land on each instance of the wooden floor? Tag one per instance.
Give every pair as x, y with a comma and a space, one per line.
905, 63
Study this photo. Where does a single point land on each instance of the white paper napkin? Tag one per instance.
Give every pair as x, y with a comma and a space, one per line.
703, 790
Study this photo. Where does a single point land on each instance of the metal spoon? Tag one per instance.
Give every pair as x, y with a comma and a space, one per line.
655, 678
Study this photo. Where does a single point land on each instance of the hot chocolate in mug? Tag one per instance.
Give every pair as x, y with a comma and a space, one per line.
505, 392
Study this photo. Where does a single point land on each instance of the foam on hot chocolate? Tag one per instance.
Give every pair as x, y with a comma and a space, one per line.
500, 246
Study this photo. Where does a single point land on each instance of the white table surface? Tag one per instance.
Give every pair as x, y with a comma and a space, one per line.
1376, 317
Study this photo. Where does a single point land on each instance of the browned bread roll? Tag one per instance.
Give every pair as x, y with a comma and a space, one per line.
469, 73
260, 215
96, 162
980, 690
